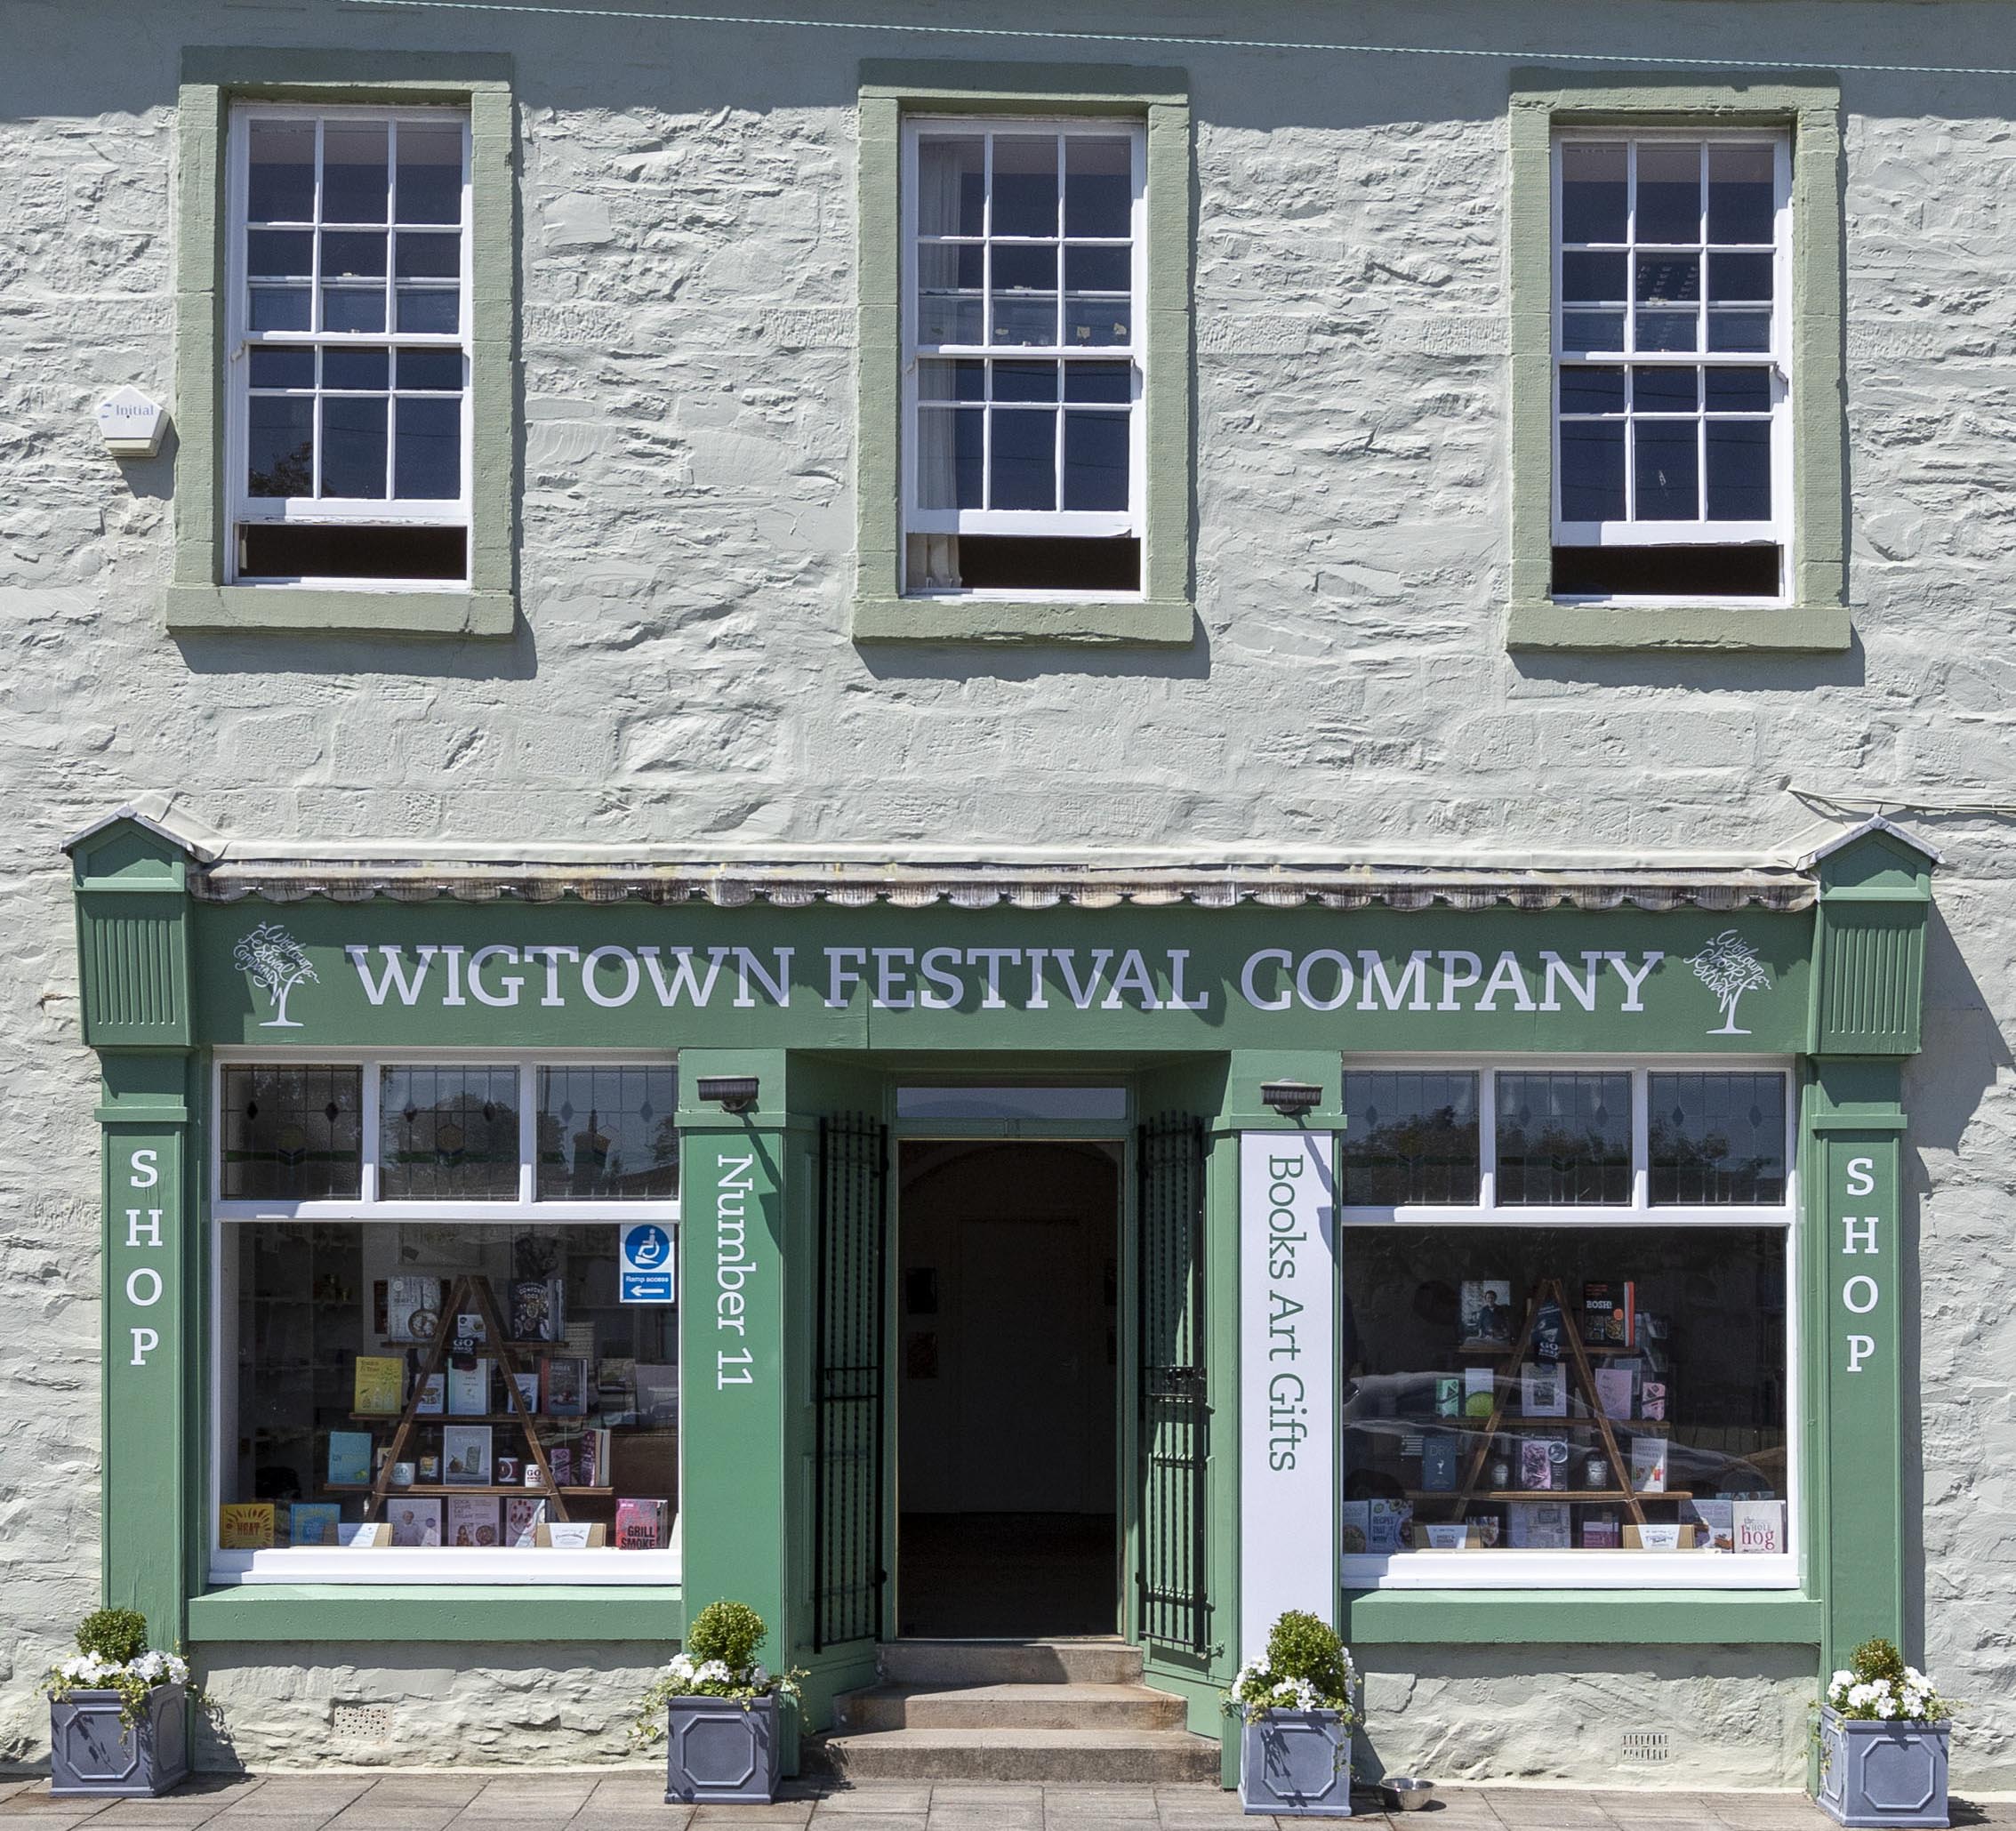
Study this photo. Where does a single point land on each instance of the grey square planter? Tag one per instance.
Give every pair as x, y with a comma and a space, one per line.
719, 1753
1296, 1763
92, 1755
1882, 1773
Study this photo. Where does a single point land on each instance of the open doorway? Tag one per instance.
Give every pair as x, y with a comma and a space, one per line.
1006, 1367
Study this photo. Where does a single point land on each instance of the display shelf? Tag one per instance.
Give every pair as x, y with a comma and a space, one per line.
1475, 1426
489, 1347
469, 1418
1612, 1494
461, 1488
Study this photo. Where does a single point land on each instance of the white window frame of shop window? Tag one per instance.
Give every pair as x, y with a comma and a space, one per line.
1700, 531
1576, 1569
418, 1564
1039, 523
390, 511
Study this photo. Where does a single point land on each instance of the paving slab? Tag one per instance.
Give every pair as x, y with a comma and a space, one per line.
886, 1799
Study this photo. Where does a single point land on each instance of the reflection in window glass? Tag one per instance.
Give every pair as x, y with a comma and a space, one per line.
1717, 1138
1564, 1140
448, 1134
290, 1134
1410, 1138
608, 1134
1686, 1345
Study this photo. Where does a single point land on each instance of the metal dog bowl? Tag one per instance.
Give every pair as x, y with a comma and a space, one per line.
1405, 1794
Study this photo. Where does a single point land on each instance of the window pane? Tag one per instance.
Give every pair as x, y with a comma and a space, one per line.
1717, 1138
1026, 318
951, 186
1098, 381
1592, 471
354, 188
430, 309
1667, 330
435, 369
950, 452
349, 254
608, 1134
1738, 469
1738, 330
448, 1134
427, 461
280, 446
353, 309
1593, 277
1023, 269
320, 1309
1738, 390
1095, 461
1668, 466
1589, 389
356, 368
288, 1134
280, 253
1594, 198
1098, 186
278, 366
1098, 269
1592, 330
430, 174
1026, 185
1697, 1390
1740, 193
278, 309
955, 381
1739, 278
1665, 390
1668, 279
427, 256
1100, 322
1564, 1140
353, 447
1410, 1138
281, 186
1669, 192
1025, 381
1026, 460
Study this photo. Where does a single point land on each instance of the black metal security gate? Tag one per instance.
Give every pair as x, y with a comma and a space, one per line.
848, 1565
1175, 1420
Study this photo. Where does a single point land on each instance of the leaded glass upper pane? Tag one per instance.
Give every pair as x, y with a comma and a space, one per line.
608, 1134
1717, 1138
448, 1134
1410, 1138
1564, 1140
290, 1134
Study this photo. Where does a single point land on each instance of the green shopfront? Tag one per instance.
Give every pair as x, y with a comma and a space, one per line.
522, 1254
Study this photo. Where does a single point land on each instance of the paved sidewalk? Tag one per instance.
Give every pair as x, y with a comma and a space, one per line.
633, 1801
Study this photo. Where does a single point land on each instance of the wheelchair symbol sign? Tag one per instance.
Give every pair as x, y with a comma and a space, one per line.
647, 1268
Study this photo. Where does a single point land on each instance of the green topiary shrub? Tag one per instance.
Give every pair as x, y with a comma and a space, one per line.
1305, 1667
113, 1634
729, 1631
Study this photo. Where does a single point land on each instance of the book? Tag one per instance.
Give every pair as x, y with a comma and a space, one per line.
468, 1385
412, 1309
1542, 1392
527, 1383
566, 1385
1484, 1312
1758, 1525
522, 1522
1537, 1525
465, 1455
1480, 1391
1601, 1534
1715, 1523
568, 1535
538, 1311
1550, 1331
1610, 1314
414, 1520
1439, 1451
657, 1392
313, 1522
1536, 1466
244, 1525
1613, 1391
1388, 1524
1651, 1400
1648, 1464
470, 1520
380, 1385
591, 1468
350, 1458
560, 1458
1447, 1537
433, 1396
1355, 1527
640, 1525
471, 1331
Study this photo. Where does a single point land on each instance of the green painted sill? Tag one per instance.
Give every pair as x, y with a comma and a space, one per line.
1138, 623
399, 1611
1623, 1617
1812, 628
459, 612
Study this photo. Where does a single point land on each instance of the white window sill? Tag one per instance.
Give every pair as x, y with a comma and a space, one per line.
384, 607
442, 1564
1570, 1570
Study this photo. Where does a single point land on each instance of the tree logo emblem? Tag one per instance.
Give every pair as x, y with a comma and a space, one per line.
277, 963
1729, 966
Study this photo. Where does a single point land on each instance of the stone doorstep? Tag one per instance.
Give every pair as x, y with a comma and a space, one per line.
952, 1662
1046, 1755
1061, 1706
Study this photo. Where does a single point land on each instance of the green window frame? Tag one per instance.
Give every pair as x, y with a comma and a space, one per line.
1808, 109
214, 79
1162, 615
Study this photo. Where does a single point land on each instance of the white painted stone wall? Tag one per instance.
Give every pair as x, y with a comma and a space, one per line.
684, 671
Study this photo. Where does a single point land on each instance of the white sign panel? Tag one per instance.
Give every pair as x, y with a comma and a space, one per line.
1287, 1279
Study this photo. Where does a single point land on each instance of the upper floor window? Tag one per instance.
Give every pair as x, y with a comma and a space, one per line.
348, 340
1672, 449
1022, 356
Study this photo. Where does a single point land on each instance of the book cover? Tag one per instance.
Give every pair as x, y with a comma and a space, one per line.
1536, 1466
592, 1467
522, 1522
560, 1458
568, 1535
1356, 1533
468, 1385
1758, 1526
314, 1522
1480, 1391
1484, 1312
1715, 1523
380, 1385
1610, 1314
412, 1309
1613, 1391
1601, 1534
244, 1525
1537, 1525
1448, 1537
1448, 1396
1651, 1400
1648, 1464
1439, 1451
1389, 1525
433, 1396
470, 1520
350, 1458
414, 1520
640, 1525
527, 1383
1550, 1332
471, 1331
1542, 1392
534, 1312
566, 1385
465, 1455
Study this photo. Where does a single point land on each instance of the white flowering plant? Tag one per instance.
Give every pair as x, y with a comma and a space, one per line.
113, 1656
1305, 1667
718, 1661
1877, 1686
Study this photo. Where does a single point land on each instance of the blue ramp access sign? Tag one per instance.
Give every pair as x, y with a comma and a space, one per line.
646, 1270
